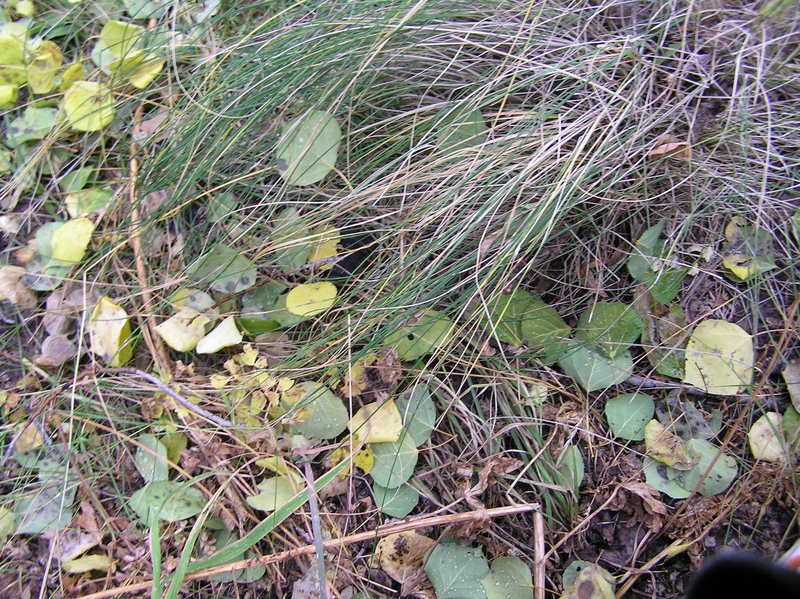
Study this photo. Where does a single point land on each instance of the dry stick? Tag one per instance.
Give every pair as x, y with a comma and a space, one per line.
539, 558
152, 340
361, 537
316, 528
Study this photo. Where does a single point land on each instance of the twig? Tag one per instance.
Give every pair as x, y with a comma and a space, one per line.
177, 397
539, 558
656, 384
362, 537
316, 528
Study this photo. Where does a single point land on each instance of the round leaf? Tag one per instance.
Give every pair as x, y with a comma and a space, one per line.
594, 371
183, 330
275, 492
151, 467
70, 240
663, 478
311, 299
421, 335
611, 326
308, 149
166, 500
719, 477
510, 578
628, 414
110, 333
719, 358
394, 462
397, 502
224, 269
225, 334
324, 415
418, 413
89, 106
456, 571
766, 438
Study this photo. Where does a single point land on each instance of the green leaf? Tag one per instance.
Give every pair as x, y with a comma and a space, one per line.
719, 358
151, 467
460, 128
166, 500
76, 179
32, 125
223, 269
258, 307
663, 478
221, 206
145, 9
290, 234
183, 331
394, 462
418, 412
275, 492
510, 578
456, 571
611, 326
324, 415
594, 371
282, 316
664, 336
397, 502
570, 468
308, 148
421, 335
719, 477
628, 414
648, 264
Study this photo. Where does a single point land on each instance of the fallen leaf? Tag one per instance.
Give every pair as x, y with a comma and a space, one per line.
310, 299
377, 422
669, 145
12, 288
719, 358
791, 376
666, 447
87, 563
765, 438
110, 333
89, 106
56, 350
183, 330
225, 334
401, 555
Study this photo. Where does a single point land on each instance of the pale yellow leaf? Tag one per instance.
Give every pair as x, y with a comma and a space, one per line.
183, 330
110, 333
719, 358
224, 335
311, 298
377, 422
71, 239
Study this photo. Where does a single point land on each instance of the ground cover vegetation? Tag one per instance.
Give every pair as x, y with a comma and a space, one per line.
414, 298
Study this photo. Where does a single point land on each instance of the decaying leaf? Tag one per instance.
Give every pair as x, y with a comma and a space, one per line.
666, 447
719, 358
401, 555
585, 580
110, 333
13, 289
183, 330
749, 250
766, 438
56, 349
94, 561
791, 376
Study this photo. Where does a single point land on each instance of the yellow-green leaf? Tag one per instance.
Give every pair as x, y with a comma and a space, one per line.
377, 422
184, 330
8, 96
224, 335
765, 438
719, 358
12, 59
87, 563
43, 67
89, 106
8, 523
71, 239
311, 298
110, 333
139, 69
325, 247
71, 74
121, 38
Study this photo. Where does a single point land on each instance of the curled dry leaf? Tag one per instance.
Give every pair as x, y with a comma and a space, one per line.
12, 289
666, 447
669, 145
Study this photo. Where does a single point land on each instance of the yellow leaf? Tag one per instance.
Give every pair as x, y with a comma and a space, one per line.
219, 381
248, 357
765, 438
666, 447
71, 74
377, 422
401, 555
71, 239
121, 38
87, 563
183, 330
311, 298
138, 69
12, 53
29, 437
719, 358
364, 459
324, 247
8, 96
88, 105
110, 333
43, 67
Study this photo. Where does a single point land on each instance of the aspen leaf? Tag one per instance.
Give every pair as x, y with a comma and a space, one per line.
223, 335
89, 106
397, 502
719, 477
669, 145
8, 523
110, 333
418, 412
394, 462
611, 327
377, 422
166, 500
719, 358
87, 563
749, 250
308, 148
592, 370
666, 447
421, 335
70, 75
9, 94
151, 467
327, 246
70, 240
460, 128
275, 492
223, 269
12, 53
628, 414
138, 68
184, 330
510, 578
663, 478
86, 201
324, 416
33, 124
121, 38
28, 437
791, 376
401, 555
311, 299
766, 438
456, 571
43, 67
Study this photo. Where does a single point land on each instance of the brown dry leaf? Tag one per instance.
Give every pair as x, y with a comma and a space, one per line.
149, 126
666, 447
378, 374
12, 289
494, 465
402, 555
650, 497
669, 145
56, 350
